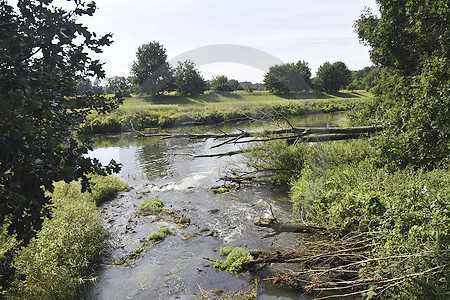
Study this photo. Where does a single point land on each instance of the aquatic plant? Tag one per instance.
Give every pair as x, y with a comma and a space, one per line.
155, 205
235, 261
158, 235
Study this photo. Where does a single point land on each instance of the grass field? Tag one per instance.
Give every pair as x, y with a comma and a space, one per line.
167, 111
239, 98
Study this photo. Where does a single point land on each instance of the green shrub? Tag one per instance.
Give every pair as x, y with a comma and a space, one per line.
159, 235
8, 243
415, 113
155, 205
343, 185
62, 258
283, 160
106, 188
235, 261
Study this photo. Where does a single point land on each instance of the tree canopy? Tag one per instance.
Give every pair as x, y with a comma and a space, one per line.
411, 39
407, 33
220, 83
332, 77
188, 80
43, 54
118, 84
151, 70
290, 77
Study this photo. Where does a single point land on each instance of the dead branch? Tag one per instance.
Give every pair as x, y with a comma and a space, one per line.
307, 134
291, 227
230, 153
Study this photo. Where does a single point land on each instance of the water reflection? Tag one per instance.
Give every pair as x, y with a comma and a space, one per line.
176, 267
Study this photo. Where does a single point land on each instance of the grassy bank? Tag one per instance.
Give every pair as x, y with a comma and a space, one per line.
405, 212
170, 111
61, 260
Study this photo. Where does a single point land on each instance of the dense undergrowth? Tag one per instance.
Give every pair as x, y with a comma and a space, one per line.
346, 185
61, 260
168, 116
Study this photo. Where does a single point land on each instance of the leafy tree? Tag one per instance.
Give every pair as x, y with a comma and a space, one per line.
407, 33
220, 83
43, 53
234, 85
290, 77
247, 85
151, 70
88, 87
116, 84
332, 77
259, 86
411, 38
364, 79
188, 80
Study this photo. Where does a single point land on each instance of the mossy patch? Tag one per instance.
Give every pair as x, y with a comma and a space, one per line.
158, 235
235, 259
155, 205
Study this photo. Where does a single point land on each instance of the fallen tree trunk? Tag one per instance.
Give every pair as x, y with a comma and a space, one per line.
208, 155
348, 132
291, 227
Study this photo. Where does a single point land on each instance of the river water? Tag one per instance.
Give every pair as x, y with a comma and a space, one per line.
179, 267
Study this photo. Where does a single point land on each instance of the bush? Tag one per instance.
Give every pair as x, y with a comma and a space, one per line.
284, 161
415, 113
343, 185
106, 188
62, 258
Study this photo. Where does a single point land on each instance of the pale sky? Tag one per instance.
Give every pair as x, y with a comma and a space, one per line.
290, 30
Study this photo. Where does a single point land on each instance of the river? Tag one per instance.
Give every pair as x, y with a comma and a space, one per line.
179, 267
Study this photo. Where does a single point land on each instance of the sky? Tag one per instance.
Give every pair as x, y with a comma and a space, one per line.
274, 31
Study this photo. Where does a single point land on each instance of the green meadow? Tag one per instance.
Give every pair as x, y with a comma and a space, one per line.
169, 110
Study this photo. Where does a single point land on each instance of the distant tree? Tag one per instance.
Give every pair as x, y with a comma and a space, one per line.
43, 54
247, 85
332, 77
116, 84
234, 85
151, 70
364, 79
188, 80
86, 86
220, 83
259, 86
290, 77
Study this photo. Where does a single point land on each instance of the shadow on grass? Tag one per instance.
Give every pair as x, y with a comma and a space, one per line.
193, 99
319, 95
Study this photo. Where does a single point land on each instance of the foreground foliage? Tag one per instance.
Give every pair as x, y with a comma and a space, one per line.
62, 258
403, 214
44, 51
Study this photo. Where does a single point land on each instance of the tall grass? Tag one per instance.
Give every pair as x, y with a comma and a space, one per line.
61, 260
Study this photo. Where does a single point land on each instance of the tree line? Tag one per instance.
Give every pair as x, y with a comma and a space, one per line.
153, 75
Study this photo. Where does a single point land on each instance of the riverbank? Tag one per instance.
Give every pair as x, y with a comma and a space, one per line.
171, 111
387, 228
